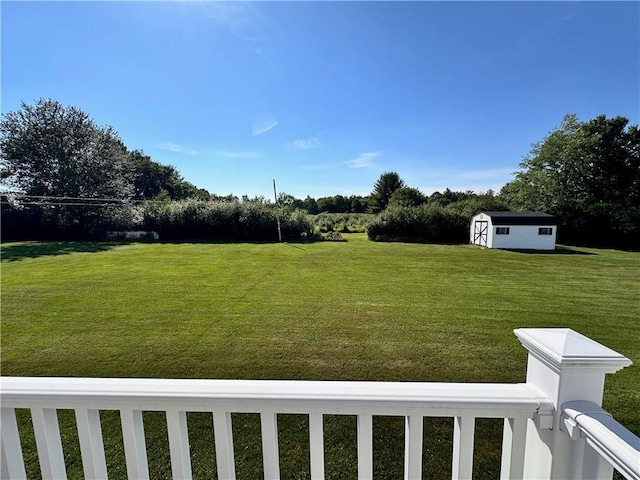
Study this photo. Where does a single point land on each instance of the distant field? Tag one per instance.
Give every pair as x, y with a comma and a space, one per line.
354, 310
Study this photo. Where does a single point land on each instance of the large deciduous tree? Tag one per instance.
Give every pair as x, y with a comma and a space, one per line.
384, 187
48, 149
152, 180
58, 152
587, 173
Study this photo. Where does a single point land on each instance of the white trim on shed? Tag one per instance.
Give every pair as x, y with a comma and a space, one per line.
514, 230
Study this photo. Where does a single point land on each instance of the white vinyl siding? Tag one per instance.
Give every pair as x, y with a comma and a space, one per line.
524, 237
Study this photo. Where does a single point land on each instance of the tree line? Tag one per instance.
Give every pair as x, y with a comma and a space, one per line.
64, 176
588, 175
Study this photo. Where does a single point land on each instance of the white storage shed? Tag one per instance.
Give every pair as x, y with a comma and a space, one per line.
514, 230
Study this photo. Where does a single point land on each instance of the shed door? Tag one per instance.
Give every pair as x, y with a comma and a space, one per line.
480, 231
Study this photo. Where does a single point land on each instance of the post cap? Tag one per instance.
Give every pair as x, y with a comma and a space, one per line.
563, 349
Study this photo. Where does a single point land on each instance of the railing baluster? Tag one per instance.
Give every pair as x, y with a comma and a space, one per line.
91, 443
270, 454
413, 447
513, 443
222, 429
134, 444
316, 446
179, 444
365, 447
12, 461
599, 467
463, 436
48, 442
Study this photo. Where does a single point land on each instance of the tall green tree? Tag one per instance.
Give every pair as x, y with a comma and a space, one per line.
358, 204
154, 180
384, 187
587, 173
473, 203
407, 197
327, 204
449, 196
53, 151
49, 149
310, 205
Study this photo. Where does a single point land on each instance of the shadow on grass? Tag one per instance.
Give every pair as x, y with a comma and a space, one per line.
292, 245
20, 251
557, 251
233, 241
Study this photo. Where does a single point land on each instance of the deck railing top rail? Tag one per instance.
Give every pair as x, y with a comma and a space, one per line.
283, 396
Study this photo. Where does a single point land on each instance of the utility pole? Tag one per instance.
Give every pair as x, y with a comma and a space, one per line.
275, 196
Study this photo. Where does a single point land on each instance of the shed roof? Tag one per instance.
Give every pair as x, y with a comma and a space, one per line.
521, 218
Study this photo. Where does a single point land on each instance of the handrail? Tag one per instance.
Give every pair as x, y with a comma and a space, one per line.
285, 396
515, 403
612, 441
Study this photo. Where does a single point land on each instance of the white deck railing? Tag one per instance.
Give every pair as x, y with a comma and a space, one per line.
604, 435
534, 444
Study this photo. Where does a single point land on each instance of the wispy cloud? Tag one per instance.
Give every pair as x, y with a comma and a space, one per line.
306, 144
174, 147
364, 160
240, 18
262, 123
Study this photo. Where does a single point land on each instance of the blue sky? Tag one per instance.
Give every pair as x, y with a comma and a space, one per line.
326, 96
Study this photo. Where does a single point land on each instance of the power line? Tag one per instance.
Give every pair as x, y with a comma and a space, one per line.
17, 198
73, 204
52, 200
53, 197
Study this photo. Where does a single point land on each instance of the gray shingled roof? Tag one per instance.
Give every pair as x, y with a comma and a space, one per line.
521, 218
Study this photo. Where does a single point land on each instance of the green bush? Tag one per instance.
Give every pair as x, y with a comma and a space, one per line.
426, 223
61, 222
296, 224
191, 219
221, 220
341, 222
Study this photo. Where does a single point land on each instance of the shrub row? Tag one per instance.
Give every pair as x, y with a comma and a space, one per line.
220, 220
64, 222
425, 223
176, 220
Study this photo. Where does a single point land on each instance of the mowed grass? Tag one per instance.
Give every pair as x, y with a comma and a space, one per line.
354, 310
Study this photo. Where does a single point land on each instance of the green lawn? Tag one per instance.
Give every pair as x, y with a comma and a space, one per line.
354, 310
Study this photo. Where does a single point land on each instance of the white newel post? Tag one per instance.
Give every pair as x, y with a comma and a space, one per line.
566, 366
